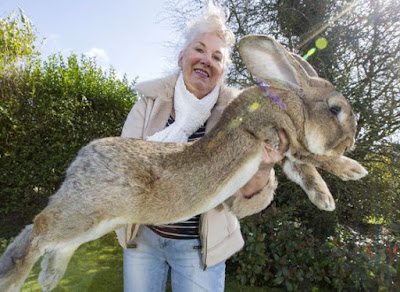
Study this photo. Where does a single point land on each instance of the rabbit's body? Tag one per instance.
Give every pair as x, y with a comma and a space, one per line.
116, 181
151, 181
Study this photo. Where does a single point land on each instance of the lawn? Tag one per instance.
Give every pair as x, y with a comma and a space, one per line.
97, 267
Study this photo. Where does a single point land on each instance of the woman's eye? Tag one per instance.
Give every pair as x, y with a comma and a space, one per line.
217, 58
200, 50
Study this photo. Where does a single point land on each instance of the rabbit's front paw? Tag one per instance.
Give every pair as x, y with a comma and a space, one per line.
353, 171
324, 201
345, 168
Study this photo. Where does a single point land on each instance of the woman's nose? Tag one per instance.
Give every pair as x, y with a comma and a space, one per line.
206, 60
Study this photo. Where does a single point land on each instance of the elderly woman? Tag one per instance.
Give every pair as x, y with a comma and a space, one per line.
180, 108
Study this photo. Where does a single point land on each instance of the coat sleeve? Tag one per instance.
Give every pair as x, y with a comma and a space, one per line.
133, 128
134, 123
243, 207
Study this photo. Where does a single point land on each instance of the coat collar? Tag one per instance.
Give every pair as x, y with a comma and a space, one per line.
164, 88
161, 91
158, 88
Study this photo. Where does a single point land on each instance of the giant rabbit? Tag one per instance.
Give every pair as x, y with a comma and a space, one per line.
116, 181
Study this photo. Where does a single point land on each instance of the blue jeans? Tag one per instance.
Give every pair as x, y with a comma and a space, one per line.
148, 265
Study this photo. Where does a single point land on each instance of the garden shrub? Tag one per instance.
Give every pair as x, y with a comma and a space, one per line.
280, 251
48, 112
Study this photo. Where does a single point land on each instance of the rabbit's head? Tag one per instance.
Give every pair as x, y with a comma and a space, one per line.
325, 122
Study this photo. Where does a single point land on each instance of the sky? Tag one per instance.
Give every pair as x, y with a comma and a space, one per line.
130, 35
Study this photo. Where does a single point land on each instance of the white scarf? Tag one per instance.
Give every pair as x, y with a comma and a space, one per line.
190, 113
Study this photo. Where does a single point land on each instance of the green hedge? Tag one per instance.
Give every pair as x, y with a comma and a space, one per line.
47, 113
281, 251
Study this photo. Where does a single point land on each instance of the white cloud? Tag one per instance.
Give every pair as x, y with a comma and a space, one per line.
103, 60
99, 54
53, 36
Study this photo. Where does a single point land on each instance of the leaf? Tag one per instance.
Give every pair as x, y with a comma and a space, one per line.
285, 271
289, 286
327, 280
279, 280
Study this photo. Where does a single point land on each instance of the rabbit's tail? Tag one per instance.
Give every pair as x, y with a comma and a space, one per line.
17, 261
53, 267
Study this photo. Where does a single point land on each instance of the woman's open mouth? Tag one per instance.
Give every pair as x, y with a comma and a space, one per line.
201, 73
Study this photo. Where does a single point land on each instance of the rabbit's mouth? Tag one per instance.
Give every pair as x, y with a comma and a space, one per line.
332, 147
347, 144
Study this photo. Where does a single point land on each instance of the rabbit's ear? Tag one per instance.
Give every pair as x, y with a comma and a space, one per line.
305, 65
268, 60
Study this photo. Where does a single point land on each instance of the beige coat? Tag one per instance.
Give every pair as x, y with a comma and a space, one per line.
219, 228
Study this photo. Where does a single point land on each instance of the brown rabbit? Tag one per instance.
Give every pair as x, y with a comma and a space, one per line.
116, 181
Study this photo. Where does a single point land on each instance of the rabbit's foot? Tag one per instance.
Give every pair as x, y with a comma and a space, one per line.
345, 168
324, 201
307, 176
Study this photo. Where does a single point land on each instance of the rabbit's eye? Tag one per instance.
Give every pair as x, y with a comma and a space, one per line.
335, 109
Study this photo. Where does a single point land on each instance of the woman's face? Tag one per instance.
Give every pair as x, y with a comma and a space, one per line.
202, 64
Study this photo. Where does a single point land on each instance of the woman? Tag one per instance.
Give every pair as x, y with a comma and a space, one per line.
179, 108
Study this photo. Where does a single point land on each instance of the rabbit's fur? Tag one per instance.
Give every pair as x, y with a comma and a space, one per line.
116, 181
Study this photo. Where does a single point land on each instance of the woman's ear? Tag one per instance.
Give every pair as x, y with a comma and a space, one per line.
180, 60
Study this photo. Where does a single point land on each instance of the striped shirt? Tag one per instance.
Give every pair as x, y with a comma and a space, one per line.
188, 229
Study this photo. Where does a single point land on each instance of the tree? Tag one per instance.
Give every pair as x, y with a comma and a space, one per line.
49, 109
17, 41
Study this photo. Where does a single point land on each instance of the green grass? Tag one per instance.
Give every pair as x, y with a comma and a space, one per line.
97, 267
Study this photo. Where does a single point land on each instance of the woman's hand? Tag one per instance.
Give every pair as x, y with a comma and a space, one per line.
270, 157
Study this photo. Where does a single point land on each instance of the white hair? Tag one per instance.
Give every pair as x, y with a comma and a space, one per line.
212, 20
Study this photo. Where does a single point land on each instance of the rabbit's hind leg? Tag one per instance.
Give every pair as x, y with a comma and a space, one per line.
56, 259
17, 261
53, 266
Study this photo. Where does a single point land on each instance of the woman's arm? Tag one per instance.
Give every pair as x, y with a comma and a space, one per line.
269, 159
258, 193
